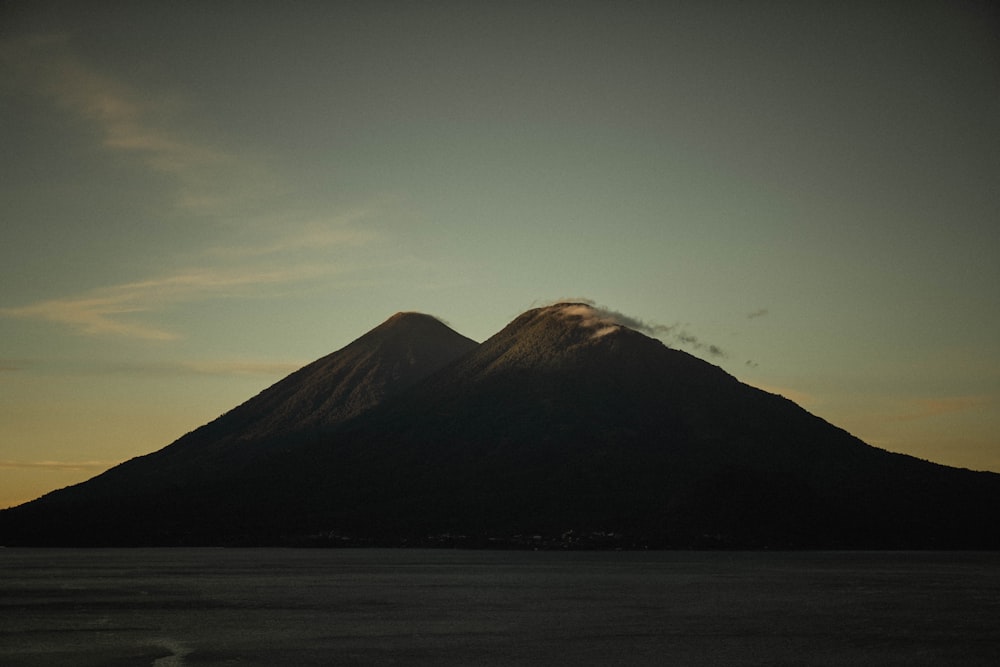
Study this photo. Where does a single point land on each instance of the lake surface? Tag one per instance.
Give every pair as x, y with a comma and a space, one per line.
438, 607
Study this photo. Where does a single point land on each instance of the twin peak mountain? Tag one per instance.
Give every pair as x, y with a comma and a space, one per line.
564, 430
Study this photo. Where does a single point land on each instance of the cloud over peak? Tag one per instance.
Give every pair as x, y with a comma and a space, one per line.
593, 315
604, 320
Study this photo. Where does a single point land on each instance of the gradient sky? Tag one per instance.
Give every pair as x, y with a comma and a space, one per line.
197, 198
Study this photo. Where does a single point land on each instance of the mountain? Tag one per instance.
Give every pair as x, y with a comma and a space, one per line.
564, 421
565, 429
389, 359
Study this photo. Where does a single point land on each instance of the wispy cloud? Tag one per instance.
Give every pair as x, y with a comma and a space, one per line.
110, 311
264, 248
142, 123
97, 314
267, 252
312, 235
605, 319
595, 315
128, 121
692, 342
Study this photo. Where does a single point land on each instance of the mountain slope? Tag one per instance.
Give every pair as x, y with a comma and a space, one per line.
564, 424
383, 362
388, 359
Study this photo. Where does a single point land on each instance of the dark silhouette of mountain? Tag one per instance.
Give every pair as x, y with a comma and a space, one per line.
388, 359
562, 430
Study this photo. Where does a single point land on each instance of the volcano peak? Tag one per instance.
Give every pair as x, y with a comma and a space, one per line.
569, 421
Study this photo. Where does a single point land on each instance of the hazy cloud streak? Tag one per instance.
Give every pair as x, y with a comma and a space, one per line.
102, 311
595, 315
313, 235
48, 65
693, 342
209, 180
605, 319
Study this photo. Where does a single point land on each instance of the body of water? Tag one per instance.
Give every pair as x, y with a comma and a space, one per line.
442, 607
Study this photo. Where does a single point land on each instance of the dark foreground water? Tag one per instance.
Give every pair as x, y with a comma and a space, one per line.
410, 607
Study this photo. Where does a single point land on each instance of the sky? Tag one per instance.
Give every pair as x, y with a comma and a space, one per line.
199, 197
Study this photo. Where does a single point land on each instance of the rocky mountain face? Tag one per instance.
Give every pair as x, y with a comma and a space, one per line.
565, 429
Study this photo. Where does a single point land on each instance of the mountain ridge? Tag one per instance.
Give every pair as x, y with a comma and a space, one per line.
565, 422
